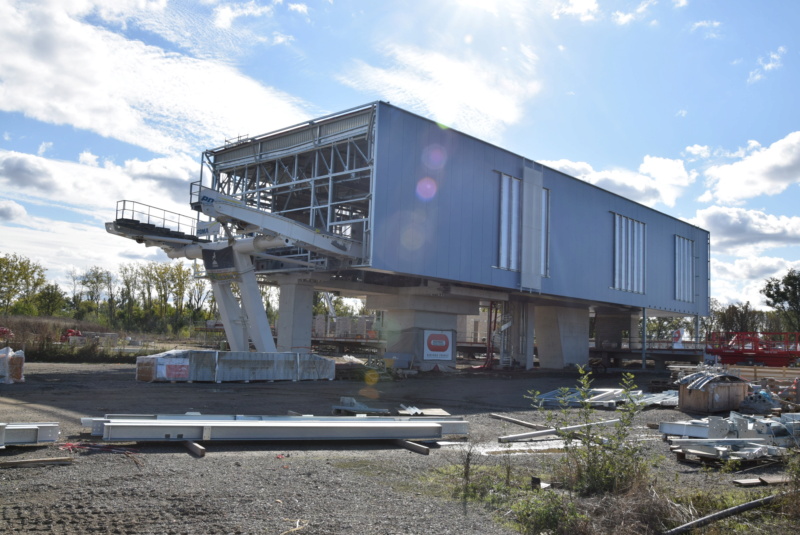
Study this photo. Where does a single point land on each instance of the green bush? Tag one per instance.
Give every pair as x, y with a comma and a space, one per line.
549, 512
600, 459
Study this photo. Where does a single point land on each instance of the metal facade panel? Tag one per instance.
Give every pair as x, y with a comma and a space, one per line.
437, 214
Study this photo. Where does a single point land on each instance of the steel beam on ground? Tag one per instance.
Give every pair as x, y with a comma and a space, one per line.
554, 431
207, 430
451, 425
28, 433
693, 428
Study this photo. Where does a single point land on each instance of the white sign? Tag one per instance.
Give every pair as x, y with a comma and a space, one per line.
438, 345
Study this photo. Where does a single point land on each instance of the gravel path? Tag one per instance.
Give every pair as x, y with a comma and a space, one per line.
272, 488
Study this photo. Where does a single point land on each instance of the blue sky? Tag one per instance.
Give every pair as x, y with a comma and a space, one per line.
687, 106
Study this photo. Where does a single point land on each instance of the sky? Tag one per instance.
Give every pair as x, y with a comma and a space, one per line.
687, 106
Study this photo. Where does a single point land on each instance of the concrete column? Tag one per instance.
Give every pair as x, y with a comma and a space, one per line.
407, 317
296, 305
232, 317
257, 321
521, 336
562, 336
609, 327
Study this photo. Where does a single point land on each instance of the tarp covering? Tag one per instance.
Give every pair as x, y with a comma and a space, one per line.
228, 366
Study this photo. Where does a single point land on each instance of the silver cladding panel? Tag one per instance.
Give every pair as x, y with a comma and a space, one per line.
436, 214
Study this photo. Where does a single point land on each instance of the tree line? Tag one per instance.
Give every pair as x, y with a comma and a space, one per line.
167, 297
142, 297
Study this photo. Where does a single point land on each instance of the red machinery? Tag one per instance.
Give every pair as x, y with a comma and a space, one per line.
70, 332
768, 349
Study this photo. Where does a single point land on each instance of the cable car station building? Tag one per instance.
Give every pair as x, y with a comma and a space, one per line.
429, 224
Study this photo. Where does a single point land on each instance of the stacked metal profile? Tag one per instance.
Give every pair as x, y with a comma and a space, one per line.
737, 437
28, 433
200, 427
226, 366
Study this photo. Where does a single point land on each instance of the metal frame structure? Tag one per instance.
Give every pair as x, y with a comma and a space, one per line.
319, 174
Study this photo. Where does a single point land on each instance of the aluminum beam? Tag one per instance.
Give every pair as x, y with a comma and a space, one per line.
28, 433
451, 425
207, 430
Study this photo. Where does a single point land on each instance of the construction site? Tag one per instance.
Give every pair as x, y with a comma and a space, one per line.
494, 285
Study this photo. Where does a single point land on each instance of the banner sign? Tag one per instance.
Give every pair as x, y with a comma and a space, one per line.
438, 345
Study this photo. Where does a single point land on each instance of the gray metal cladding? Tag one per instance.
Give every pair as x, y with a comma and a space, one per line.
436, 214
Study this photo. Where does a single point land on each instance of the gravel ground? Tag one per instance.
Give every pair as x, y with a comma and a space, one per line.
277, 487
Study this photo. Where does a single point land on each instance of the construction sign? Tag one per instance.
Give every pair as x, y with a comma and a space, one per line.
438, 345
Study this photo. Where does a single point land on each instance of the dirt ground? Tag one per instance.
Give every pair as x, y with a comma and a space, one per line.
263, 487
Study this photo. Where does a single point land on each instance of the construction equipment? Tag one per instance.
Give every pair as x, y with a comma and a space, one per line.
754, 348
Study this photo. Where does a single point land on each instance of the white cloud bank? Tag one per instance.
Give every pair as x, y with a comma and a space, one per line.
470, 94
67, 71
761, 171
658, 180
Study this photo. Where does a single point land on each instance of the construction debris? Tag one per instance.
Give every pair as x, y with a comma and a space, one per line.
553, 431
597, 398
736, 437
348, 405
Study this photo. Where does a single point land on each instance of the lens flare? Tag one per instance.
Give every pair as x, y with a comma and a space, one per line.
426, 189
434, 157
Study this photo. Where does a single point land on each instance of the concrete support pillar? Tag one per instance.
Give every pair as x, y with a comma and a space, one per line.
257, 321
232, 317
562, 336
609, 329
407, 319
296, 305
521, 336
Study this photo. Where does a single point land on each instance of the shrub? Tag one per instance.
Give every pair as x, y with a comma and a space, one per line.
596, 461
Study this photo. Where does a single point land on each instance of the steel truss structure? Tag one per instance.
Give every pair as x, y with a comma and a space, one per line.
318, 173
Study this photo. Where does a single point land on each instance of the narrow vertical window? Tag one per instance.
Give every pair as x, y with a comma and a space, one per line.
684, 269
509, 255
545, 258
629, 254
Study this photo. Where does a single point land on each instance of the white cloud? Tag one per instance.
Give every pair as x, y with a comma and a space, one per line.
682, 113
44, 147
680, 3
226, 14
640, 12
773, 61
127, 90
11, 211
87, 158
6, 136
740, 232
475, 95
298, 8
658, 180
741, 281
54, 245
53, 182
585, 10
698, 151
762, 171
281, 39
709, 27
